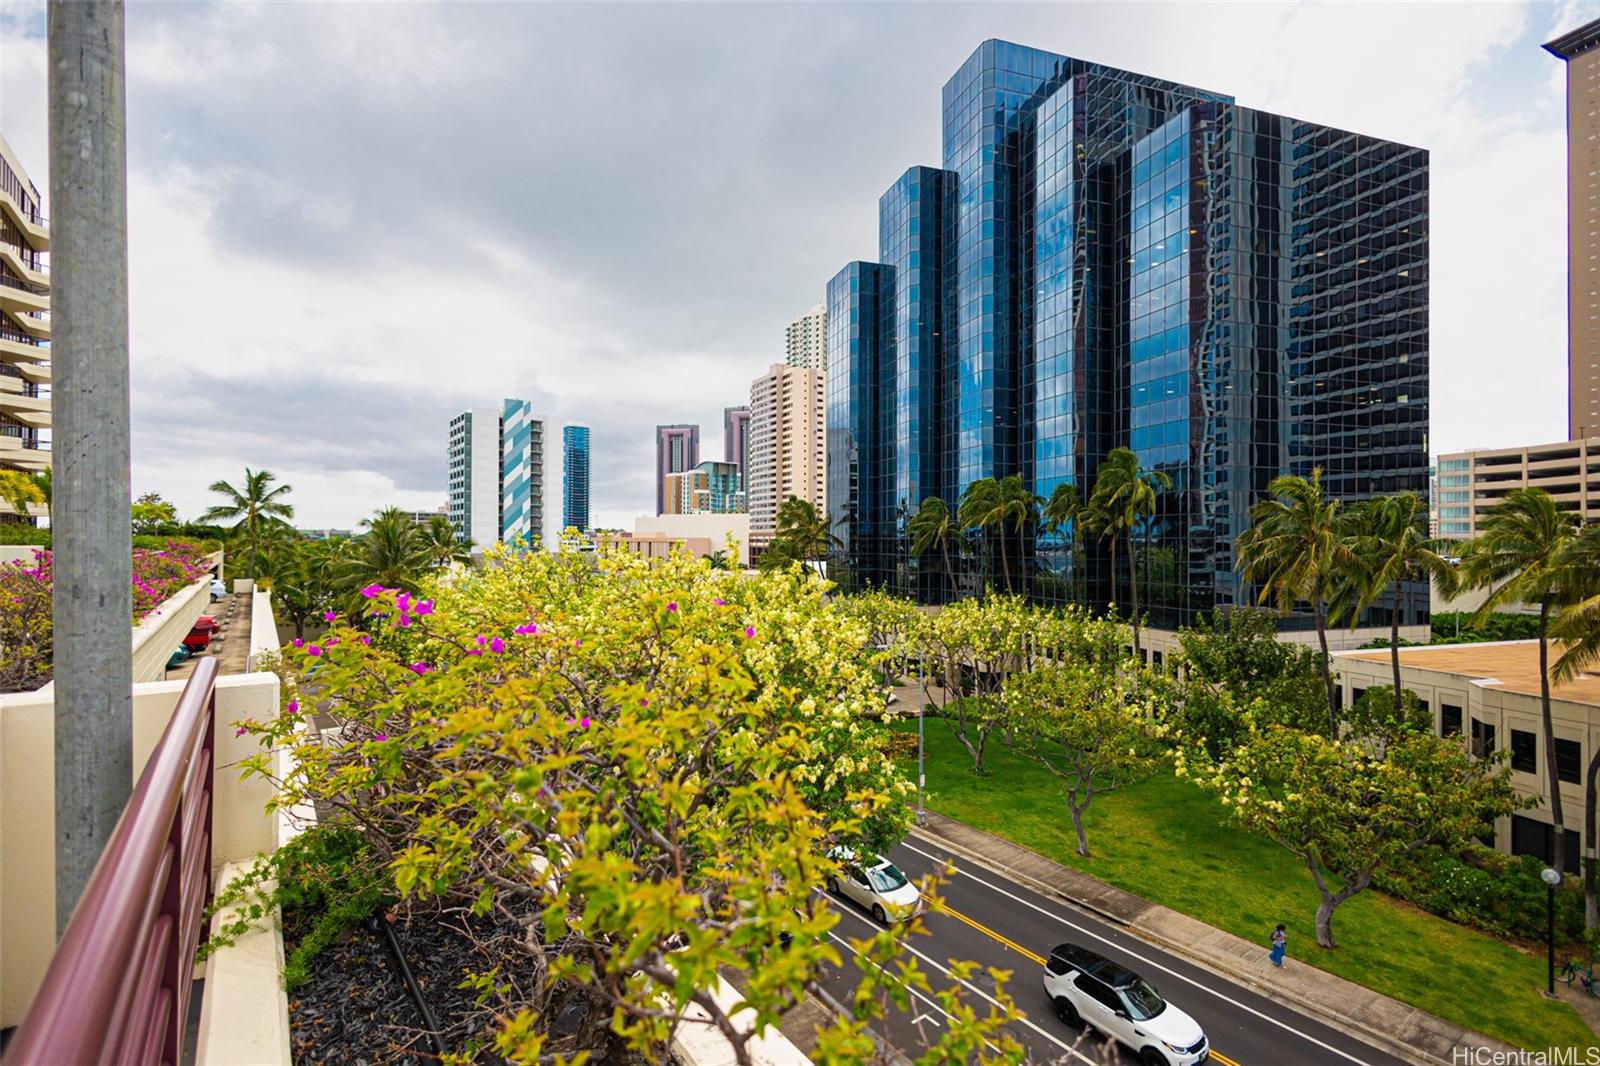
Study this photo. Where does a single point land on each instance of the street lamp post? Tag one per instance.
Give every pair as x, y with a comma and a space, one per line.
1552, 878
922, 710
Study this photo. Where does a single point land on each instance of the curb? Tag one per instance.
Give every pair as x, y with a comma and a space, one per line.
1344, 1022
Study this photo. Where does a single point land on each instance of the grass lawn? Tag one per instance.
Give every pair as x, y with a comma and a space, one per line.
1169, 842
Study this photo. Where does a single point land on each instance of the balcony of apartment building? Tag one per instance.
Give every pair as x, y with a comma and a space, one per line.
33, 227
122, 975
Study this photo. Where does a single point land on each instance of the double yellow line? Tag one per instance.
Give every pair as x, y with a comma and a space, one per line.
1034, 956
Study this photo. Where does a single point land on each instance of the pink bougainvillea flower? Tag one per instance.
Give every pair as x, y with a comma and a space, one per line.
672, 608
403, 621
584, 722
750, 631
241, 731
497, 645
328, 616
299, 643
381, 737
474, 651
482, 639
720, 602
577, 644
366, 639
527, 630
372, 590
292, 707
403, 601
423, 607
313, 650
419, 668
330, 642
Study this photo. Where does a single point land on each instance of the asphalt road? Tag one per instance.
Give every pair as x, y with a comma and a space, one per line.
995, 922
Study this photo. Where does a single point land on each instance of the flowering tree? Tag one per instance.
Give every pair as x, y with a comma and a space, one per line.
26, 645
25, 624
636, 772
1091, 723
1348, 811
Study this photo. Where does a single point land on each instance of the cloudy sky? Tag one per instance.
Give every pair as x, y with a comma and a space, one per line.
350, 221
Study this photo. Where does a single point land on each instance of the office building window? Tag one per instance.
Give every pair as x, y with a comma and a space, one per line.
1482, 739
1523, 746
1569, 761
1449, 720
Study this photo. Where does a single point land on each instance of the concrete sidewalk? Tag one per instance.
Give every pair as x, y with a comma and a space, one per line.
1399, 1028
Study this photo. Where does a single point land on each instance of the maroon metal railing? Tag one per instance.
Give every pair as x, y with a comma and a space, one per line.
117, 990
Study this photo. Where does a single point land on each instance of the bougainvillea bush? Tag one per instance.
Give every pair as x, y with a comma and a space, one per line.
632, 775
25, 604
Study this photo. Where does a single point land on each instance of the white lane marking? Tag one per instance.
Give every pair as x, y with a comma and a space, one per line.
1149, 962
1015, 1013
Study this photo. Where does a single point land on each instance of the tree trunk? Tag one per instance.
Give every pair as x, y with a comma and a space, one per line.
949, 574
1077, 827
1111, 598
1005, 559
1394, 652
1557, 835
1133, 592
1327, 669
299, 627
1331, 900
1591, 911
254, 551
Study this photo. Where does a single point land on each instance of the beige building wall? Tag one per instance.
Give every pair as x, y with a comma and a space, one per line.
787, 457
1471, 483
806, 340
24, 325
1480, 695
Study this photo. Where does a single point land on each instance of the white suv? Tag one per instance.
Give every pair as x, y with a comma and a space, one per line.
1086, 987
878, 886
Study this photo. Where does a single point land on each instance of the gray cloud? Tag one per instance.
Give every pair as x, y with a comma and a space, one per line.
350, 221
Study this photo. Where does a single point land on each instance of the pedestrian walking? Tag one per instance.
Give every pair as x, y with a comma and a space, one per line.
1280, 940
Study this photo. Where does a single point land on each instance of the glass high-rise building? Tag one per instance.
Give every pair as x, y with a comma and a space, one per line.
1110, 259
521, 475
575, 478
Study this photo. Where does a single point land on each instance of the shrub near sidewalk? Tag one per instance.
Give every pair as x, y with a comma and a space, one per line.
1171, 843
635, 775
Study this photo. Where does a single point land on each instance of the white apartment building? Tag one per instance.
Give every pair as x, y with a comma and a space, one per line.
24, 328
788, 424
806, 340
475, 475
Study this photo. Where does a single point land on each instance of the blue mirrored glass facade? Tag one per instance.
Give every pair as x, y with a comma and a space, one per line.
1125, 261
575, 478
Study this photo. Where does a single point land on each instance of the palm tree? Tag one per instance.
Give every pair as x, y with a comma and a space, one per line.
934, 527
392, 552
1297, 548
1392, 546
1578, 625
1020, 506
444, 547
1124, 496
807, 533
251, 506
981, 507
1061, 516
1526, 546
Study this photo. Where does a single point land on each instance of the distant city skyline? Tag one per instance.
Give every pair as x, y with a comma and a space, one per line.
649, 302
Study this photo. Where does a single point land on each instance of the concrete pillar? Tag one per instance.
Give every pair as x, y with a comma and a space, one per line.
89, 509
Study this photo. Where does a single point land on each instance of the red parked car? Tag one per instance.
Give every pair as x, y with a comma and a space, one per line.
200, 636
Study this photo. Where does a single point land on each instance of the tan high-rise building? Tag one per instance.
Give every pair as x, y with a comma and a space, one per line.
788, 423
1581, 50
806, 340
